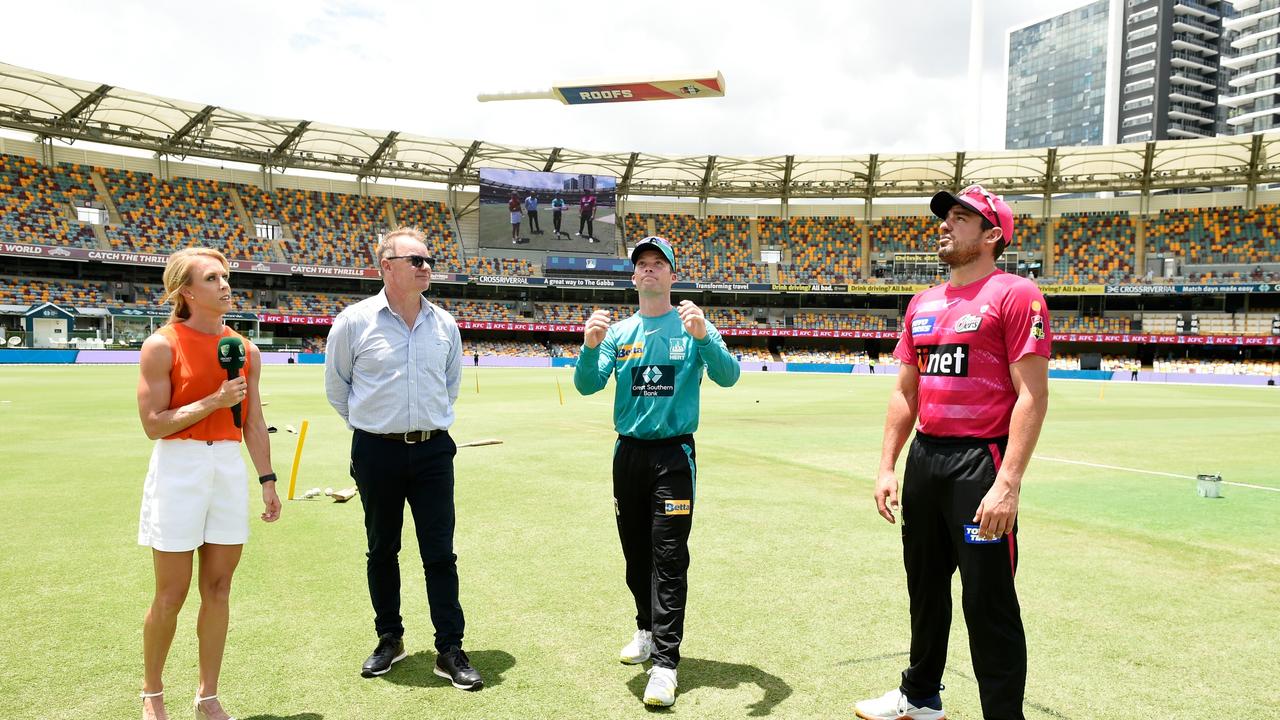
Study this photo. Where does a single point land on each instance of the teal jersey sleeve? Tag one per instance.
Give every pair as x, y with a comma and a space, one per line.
595, 365
658, 368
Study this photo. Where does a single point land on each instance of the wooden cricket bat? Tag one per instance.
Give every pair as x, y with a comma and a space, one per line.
592, 92
341, 496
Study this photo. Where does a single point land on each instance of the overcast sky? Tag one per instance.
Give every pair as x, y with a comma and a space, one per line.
802, 77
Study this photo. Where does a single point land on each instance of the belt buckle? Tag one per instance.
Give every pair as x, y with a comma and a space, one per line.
407, 440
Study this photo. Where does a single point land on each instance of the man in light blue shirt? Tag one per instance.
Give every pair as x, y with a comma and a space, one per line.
531, 209
393, 366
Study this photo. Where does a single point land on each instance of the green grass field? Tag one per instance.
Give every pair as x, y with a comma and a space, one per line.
1140, 599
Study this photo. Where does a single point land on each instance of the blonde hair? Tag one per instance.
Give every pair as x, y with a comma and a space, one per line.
177, 275
388, 243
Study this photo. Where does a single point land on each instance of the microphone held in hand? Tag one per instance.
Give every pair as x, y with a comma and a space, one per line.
231, 358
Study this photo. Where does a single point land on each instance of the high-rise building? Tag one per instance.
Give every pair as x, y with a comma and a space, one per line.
1251, 65
1169, 73
1057, 90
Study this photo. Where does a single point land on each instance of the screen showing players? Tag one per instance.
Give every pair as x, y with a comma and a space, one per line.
548, 210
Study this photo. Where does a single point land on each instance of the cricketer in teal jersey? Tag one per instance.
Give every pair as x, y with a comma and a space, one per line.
657, 356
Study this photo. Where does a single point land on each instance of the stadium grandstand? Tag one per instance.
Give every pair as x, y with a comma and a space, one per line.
1161, 254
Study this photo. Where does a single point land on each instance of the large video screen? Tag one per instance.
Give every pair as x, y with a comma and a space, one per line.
548, 211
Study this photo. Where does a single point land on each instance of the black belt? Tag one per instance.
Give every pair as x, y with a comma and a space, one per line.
409, 438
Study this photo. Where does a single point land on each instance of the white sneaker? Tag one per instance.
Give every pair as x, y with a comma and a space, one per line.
661, 690
893, 705
639, 649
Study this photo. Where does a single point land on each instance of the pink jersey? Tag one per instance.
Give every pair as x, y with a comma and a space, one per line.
963, 340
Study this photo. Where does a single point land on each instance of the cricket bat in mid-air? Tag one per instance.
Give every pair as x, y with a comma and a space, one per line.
622, 90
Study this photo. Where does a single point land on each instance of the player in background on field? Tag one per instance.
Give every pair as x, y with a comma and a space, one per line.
513, 207
586, 212
974, 382
557, 214
657, 356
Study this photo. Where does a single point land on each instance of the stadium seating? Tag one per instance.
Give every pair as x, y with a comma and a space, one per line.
717, 248
823, 249
500, 266
1064, 362
26, 292
432, 218
1028, 235
832, 320
501, 348
1207, 235
327, 228
577, 314
723, 317
1217, 367
916, 233
751, 353
36, 202
163, 216
482, 311
1094, 247
1089, 325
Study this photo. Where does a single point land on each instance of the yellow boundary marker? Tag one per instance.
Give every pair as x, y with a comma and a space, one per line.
297, 457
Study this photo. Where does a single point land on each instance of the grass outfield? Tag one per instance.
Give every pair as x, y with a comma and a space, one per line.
1140, 599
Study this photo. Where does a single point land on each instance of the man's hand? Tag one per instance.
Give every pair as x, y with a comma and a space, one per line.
999, 508
887, 495
597, 325
693, 320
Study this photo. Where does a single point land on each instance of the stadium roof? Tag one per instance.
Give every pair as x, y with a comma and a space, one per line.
56, 107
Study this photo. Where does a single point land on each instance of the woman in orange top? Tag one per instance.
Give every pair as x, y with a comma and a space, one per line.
196, 495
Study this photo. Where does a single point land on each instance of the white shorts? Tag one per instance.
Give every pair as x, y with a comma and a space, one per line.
196, 492
515, 218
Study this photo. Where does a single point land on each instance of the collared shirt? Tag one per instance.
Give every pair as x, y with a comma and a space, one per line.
384, 377
531, 203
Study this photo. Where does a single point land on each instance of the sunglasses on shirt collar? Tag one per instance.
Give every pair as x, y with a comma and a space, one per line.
418, 261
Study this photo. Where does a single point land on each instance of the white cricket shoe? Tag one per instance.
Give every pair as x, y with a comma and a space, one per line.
639, 649
893, 705
661, 690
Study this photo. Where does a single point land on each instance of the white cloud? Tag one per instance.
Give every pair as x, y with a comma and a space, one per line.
804, 78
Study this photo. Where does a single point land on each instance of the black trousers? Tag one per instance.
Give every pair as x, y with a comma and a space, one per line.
390, 473
555, 219
653, 487
533, 222
584, 220
944, 481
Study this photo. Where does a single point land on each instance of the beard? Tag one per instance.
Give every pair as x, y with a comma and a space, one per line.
959, 255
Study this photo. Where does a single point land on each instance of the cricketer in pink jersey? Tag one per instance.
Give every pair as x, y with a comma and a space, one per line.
974, 386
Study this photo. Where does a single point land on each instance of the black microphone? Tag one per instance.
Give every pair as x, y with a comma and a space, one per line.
231, 358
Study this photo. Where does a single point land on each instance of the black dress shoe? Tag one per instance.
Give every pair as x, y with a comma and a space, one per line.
390, 650
453, 665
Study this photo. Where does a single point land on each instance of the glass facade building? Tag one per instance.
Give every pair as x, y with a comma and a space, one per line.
1057, 80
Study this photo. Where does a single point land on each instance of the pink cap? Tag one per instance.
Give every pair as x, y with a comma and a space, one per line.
979, 200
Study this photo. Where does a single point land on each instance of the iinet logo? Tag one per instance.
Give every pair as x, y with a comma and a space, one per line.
951, 360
